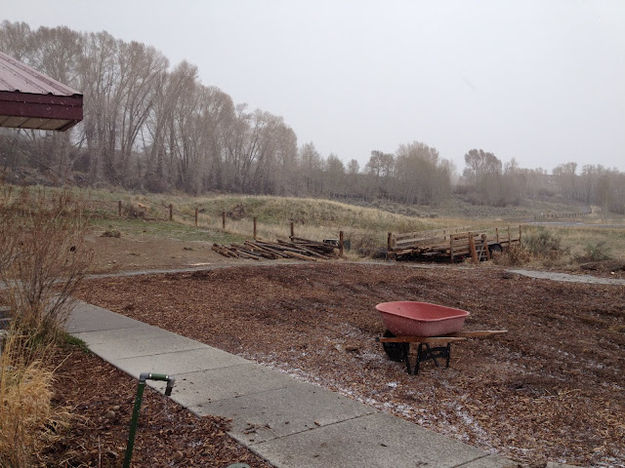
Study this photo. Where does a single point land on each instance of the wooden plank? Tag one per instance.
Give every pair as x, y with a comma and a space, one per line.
300, 256
265, 249
472, 249
478, 333
420, 242
458, 336
299, 249
421, 339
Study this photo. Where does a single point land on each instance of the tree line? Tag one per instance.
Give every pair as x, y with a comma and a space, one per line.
152, 126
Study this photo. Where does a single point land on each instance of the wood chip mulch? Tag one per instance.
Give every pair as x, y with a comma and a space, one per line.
551, 389
101, 397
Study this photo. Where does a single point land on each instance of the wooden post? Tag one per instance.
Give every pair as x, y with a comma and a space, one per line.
171, 212
485, 246
196, 216
119, 208
497, 234
389, 238
472, 248
509, 238
451, 248
340, 243
223, 220
292, 230
520, 233
254, 227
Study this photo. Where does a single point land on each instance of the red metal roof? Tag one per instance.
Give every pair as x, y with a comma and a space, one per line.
30, 99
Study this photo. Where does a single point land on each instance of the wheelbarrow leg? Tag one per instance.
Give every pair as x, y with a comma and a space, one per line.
407, 357
432, 354
419, 358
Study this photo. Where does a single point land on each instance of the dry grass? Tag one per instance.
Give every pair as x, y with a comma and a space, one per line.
28, 421
576, 244
321, 219
43, 260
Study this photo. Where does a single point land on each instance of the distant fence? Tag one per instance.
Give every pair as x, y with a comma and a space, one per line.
168, 213
571, 215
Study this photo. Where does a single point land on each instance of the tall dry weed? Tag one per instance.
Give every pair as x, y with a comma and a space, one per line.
45, 258
28, 421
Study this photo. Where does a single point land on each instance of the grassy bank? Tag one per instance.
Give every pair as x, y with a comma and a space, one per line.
365, 227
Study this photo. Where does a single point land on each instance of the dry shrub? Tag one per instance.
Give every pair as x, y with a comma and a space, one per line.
28, 421
516, 255
543, 245
365, 244
595, 252
44, 259
540, 247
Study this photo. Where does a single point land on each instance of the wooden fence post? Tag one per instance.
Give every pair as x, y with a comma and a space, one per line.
195, 216
171, 212
485, 246
472, 248
497, 234
223, 220
254, 227
119, 208
340, 243
520, 233
451, 248
389, 238
292, 229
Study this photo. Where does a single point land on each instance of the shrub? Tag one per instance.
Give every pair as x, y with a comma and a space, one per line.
543, 244
540, 247
595, 252
516, 255
365, 244
44, 259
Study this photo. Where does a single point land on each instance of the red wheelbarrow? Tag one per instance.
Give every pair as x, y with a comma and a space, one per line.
434, 327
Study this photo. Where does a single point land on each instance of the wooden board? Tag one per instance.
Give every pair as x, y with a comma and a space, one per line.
421, 339
459, 336
478, 333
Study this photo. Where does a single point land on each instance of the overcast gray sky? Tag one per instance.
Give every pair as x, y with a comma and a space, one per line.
540, 81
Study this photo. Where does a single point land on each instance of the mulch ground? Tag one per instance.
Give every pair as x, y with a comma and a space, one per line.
101, 398
551, 389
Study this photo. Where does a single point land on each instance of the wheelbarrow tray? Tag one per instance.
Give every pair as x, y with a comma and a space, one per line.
421, 318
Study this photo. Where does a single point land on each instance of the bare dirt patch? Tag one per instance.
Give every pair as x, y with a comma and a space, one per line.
607, 268
126, 253
101, 399
550, 389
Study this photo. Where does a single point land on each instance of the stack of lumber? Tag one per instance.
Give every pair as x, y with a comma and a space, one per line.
298, 248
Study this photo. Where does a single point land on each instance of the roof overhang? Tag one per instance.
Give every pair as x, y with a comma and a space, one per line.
30, 99
39, 111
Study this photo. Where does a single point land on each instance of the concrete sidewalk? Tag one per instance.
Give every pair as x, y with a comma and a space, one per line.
286, 421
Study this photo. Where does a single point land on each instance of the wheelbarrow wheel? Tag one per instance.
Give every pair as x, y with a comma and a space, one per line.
395, 351
495, 249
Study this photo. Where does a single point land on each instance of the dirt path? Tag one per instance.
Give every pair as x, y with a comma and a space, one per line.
537, 274
567, 278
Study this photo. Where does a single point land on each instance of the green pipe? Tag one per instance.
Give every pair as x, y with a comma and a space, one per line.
143, 377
